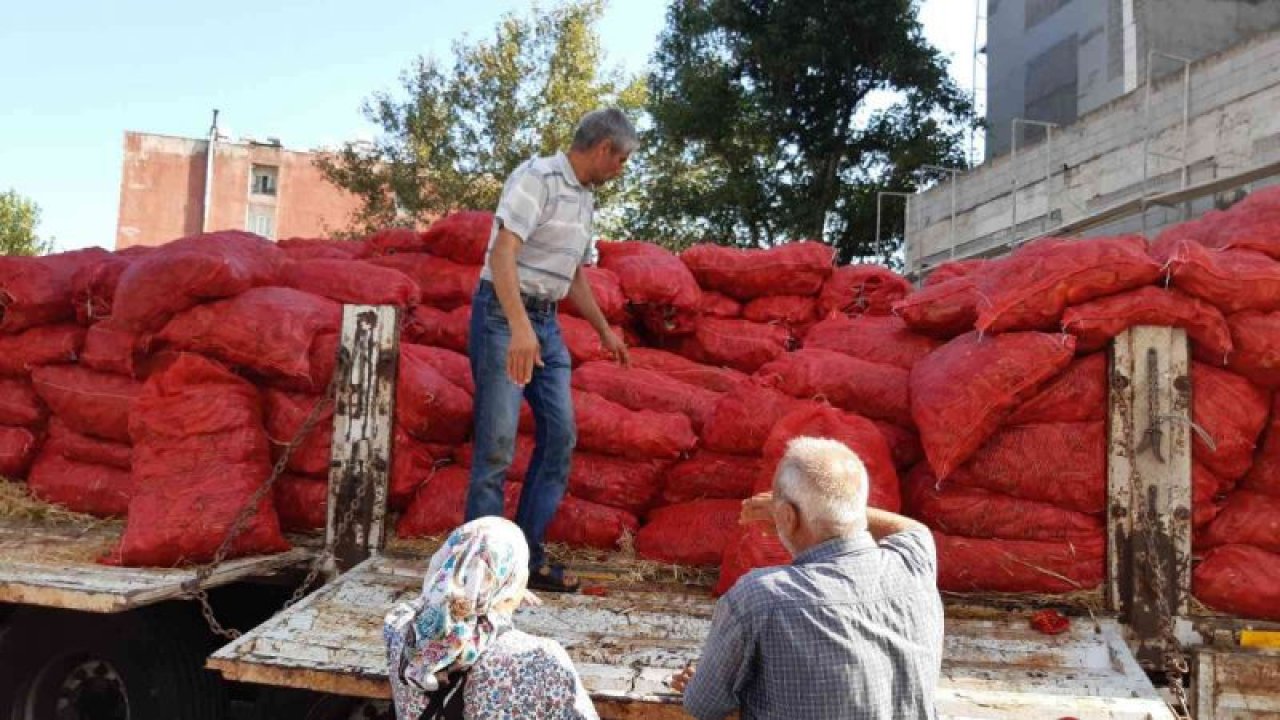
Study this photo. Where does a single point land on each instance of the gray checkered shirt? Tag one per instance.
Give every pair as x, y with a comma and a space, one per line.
851, 630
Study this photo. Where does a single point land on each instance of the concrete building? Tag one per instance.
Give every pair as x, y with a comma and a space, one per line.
1057, 60
259, 187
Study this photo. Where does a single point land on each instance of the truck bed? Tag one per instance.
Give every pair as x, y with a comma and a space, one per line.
53, 564
628, 642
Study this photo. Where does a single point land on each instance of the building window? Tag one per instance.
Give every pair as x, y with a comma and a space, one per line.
261, 221
263, 180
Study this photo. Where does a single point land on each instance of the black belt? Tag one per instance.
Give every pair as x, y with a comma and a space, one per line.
537, 304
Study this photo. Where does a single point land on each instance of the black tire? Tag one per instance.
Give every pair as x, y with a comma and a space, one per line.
145, 665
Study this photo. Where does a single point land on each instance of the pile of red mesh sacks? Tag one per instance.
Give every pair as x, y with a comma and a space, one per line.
136, 383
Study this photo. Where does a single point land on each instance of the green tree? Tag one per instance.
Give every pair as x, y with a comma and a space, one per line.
19, 218
783, 119
451, 137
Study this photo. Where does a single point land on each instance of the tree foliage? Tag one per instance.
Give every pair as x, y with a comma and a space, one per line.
783, 119
19, 218
449, 139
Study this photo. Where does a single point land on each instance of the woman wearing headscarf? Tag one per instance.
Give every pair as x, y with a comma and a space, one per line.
458, 636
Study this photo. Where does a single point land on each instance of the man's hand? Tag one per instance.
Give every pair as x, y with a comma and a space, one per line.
523, 354
757, 509
616, 347
680, 680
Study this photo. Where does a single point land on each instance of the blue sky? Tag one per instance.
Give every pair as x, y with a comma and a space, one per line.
78, 73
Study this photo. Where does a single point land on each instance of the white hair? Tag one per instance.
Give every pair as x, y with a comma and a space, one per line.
826, 481
608, 124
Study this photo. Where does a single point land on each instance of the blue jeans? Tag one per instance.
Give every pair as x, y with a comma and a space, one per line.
497, 418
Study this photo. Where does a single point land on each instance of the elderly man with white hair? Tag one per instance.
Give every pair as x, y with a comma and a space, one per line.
851, 629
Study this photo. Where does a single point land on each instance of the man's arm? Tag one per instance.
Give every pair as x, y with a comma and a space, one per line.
582, 296
712, 691
523, 353
882, 523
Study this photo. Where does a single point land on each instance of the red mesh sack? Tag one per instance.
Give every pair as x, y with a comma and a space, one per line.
1019, 566
1251, 224
199, 452
884, 340
869, 389
455, 366
797, 268
1256, 339
440, 504
443, 284
89, 402
392, 241
430, 407
1233, 411
46, 345
612, 251
710, 475
1030, 289
299, 248
651, 275
639, 389
616, 482
904, 444
19, 404
953, 269
791, 311
973, 512
270, 330
1095, 323
716, 379
18, 448
430, 326
609, 428
1231, 280
109, 349
190, 271
607, 291
581, 523
1239, 579
862, 290
740, 344
1077, 394
84, 449
37, 290
582, 340
1063, 464
1264, 475
412, 463
353, 282
302, 503
285, 414
462, 237
743, 418
93, 287
1247, 518
1206, 488
715, 304
751, 548
944, 310
693, 533
961, 393
99, 490
857, 433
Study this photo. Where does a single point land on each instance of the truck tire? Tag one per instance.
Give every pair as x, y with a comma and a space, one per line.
142, 665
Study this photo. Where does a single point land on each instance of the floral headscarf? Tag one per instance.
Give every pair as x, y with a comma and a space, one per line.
482, 565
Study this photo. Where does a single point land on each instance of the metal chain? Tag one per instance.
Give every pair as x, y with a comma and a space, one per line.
194, 588
1175, 658
344, 523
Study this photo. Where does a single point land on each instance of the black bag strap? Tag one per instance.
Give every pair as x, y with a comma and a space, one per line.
446, 703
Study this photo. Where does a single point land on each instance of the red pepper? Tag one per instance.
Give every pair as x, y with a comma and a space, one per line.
595, 591
1050, 622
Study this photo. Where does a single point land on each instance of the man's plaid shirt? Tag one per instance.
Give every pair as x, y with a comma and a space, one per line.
850, 630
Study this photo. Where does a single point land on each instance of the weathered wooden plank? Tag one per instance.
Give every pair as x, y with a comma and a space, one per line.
627, 644
1234, 684
54, 566
364, 406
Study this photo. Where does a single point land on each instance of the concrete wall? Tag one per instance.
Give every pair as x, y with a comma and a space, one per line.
1042, 47
1098, 162
162, 191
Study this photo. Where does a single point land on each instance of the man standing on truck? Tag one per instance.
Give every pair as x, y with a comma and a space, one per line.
540, 240
851, 629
